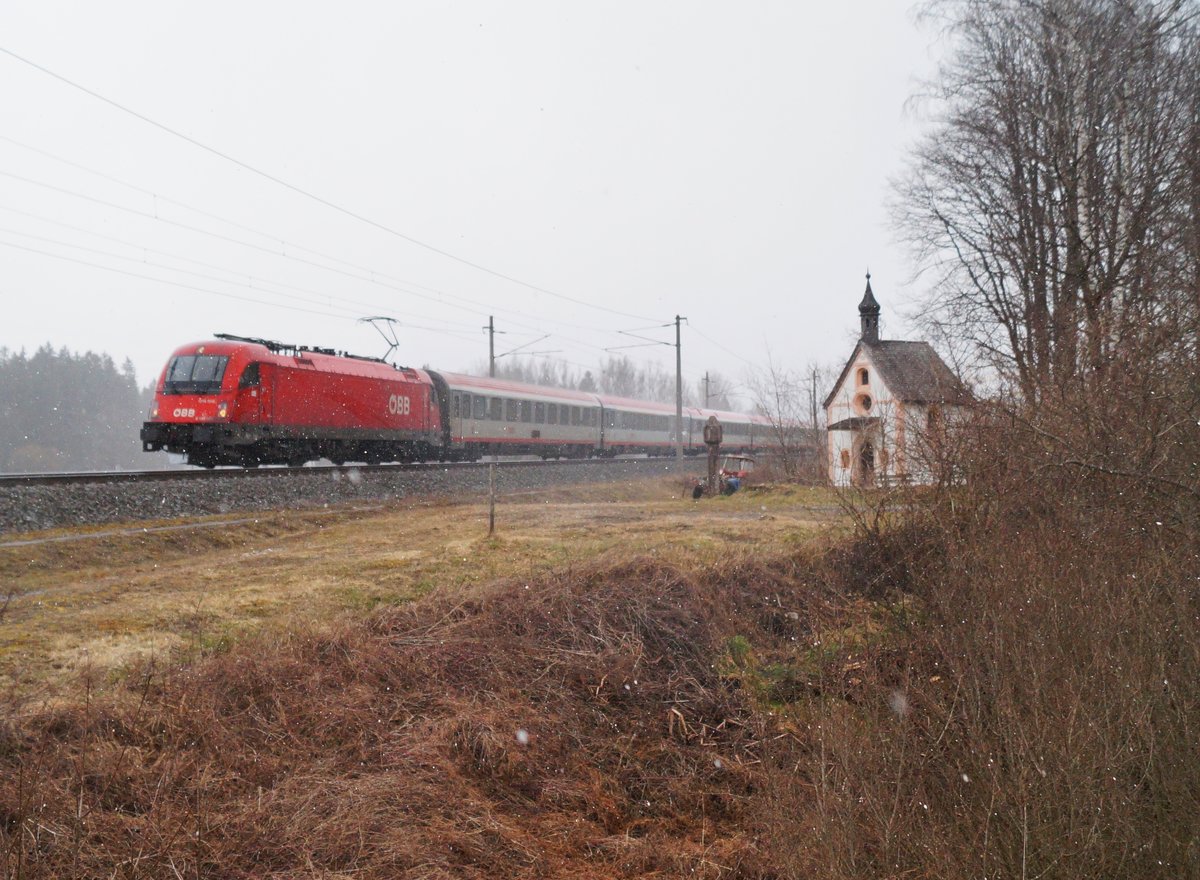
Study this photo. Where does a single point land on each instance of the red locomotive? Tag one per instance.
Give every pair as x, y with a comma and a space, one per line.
252, 401
239, 401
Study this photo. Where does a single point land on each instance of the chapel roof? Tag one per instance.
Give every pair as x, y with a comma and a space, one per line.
913, 371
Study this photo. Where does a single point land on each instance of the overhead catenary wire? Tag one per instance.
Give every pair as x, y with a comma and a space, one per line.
313, 196
351, 312
286, 243
235, 272
243, 279
179, 284
240, 297
727, 351
371, 276
227, 295
159, 197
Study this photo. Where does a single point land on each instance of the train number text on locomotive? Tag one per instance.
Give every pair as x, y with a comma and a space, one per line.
399, 405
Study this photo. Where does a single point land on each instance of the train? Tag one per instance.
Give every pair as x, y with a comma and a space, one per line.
241, 401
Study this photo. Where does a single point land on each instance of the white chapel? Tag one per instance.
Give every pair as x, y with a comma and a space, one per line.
889, 409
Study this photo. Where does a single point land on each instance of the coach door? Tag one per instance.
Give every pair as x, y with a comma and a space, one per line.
460, 412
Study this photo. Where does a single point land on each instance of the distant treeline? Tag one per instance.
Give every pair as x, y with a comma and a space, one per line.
619, 376
61, 411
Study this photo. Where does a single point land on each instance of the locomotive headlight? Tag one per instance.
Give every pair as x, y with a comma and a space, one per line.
154, 412
222, 409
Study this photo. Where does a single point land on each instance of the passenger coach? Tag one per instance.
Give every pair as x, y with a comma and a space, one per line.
489, 416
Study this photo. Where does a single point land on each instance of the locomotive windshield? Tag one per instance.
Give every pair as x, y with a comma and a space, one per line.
195, 374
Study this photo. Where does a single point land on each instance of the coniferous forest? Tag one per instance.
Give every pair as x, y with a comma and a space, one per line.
64, 411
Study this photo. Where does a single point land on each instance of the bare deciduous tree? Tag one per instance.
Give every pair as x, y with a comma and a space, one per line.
791, 401
1056, 201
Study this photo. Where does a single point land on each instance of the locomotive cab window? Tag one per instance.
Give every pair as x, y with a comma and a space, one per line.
195, 374
250, 376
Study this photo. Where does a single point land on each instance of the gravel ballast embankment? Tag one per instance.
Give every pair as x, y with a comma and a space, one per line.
25, 507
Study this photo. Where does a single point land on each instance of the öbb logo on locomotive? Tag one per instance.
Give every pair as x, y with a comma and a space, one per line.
287, 404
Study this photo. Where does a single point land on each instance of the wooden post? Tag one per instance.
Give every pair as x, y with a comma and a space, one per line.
491, 499
713, 435
713, 453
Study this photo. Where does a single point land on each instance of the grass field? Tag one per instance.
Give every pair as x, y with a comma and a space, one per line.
620, 683
89, 606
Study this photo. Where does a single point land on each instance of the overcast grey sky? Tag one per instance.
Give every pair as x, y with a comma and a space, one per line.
726, 162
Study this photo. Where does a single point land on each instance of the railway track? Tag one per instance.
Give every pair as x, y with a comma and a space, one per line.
33, 502
226, 473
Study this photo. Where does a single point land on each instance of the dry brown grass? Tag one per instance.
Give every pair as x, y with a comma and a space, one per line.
998, 680
597, 721
105, 602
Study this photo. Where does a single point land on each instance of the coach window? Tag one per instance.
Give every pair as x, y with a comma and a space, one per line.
512, 410
593, 418
552, 414
526, 410
574, 415
479, 407
496, 409
539, 413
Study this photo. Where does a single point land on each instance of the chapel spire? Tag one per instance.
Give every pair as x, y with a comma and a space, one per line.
868, 313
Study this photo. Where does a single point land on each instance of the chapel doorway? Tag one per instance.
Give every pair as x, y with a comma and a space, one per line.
864, 464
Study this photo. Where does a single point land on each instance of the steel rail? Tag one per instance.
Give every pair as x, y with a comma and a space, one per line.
269, 471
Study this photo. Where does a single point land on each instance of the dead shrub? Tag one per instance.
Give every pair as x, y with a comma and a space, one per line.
1037, 714
574, 726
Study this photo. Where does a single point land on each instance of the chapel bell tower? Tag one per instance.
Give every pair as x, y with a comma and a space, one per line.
868, 313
